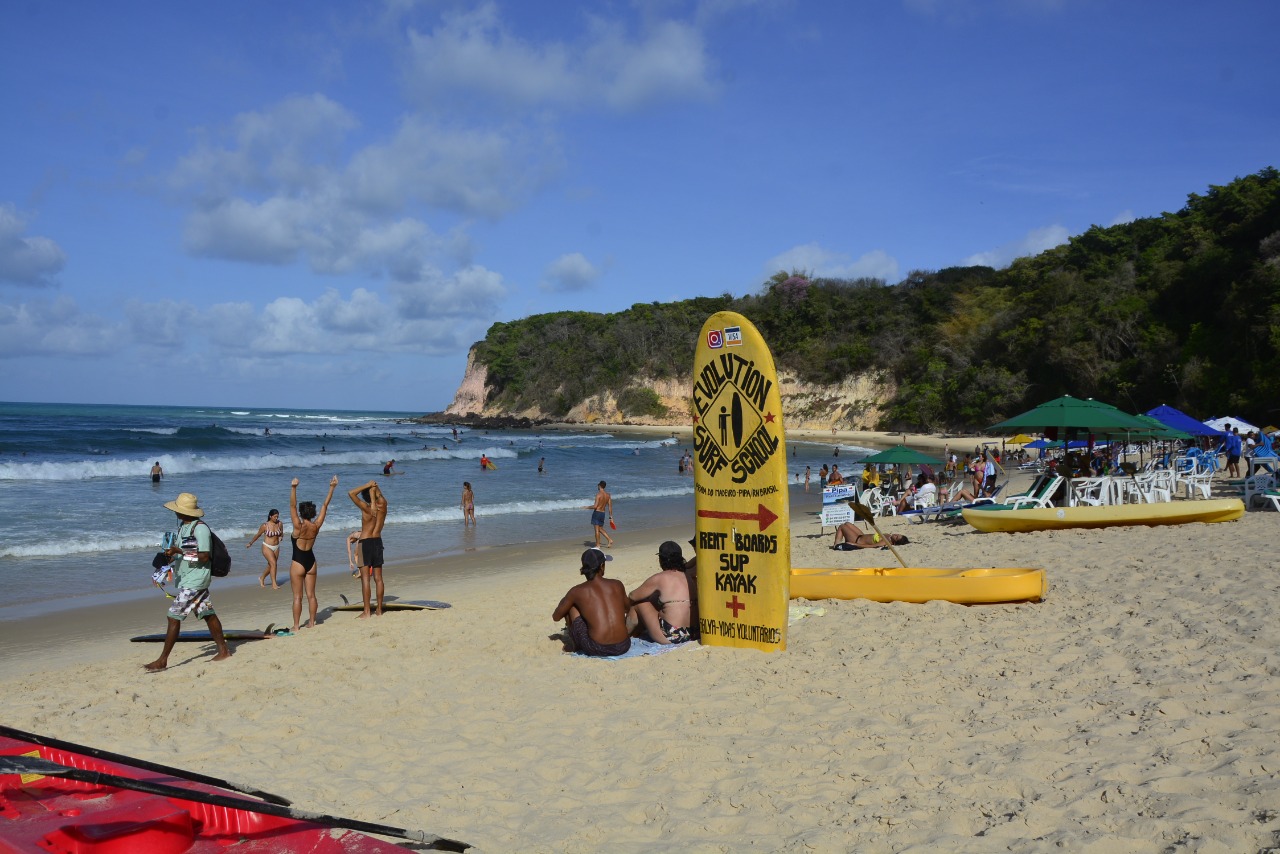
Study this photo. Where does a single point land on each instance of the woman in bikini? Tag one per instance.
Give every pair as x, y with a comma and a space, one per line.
849, 537
468, 505
303, 569
271, 531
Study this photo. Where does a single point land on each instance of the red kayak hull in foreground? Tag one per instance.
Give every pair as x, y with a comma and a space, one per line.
40, 814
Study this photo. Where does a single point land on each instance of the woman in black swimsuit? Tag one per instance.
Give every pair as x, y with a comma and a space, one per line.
302, 570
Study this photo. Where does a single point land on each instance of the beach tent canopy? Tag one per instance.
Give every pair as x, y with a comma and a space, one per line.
1159, 430
1179, 420
901, 456
1065, 413
1220, 424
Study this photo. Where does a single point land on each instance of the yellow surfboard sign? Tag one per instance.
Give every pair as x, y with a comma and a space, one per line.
740, 481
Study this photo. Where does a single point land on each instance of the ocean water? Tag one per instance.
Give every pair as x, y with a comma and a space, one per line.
80, 519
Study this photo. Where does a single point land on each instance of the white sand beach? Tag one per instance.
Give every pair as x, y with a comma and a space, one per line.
1136, 709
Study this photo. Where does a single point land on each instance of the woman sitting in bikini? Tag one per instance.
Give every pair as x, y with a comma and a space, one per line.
302, 571
271, 531
849, 537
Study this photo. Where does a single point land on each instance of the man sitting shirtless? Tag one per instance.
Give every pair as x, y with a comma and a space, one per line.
595, 611
663, 604
849, 537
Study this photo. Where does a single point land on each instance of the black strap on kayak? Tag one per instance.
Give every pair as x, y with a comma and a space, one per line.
46, 741
36, 765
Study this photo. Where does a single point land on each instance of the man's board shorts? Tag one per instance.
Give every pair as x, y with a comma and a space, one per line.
371, 551
597, 518
581, 635
188, 601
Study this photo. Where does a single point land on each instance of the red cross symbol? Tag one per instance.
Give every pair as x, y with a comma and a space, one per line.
736, 606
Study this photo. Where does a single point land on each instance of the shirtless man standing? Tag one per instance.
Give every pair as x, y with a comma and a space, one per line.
595, 611
373, 515
663, 604
603, 505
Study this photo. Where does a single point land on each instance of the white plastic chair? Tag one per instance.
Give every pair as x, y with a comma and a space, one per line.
1256, 487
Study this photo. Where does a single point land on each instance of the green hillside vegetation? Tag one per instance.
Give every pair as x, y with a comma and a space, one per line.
1182, 308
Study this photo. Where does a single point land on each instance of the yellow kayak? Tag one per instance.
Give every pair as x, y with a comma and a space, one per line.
1000, 517
919, 584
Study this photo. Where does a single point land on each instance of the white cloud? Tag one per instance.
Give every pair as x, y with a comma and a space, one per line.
819, 261
473, 53
572, 272
1033, 243
56, 328
292, 146
26, 260
1125, 216
469, 172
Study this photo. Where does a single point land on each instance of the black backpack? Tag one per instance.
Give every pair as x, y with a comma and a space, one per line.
219, 557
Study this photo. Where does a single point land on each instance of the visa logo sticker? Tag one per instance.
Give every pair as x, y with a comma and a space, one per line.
733, 336
715, 339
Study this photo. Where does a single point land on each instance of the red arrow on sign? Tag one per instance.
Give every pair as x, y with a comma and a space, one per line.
764, 516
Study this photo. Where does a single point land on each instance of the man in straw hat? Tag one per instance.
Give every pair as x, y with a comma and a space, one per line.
192, 573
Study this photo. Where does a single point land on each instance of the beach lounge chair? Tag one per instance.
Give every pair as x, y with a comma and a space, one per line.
1273, 495
1039, 495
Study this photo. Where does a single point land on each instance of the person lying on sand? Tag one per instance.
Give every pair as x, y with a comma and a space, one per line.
595, 611
849, 537
662, 605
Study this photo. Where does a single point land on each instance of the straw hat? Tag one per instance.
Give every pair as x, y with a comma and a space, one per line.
185, 504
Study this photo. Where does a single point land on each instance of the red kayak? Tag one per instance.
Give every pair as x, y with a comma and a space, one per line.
54, 798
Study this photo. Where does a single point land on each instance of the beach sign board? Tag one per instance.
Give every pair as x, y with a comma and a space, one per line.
835, 504
740, 483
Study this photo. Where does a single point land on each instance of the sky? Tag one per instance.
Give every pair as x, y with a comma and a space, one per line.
326, 204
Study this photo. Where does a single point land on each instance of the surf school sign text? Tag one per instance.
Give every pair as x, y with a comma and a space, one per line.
740, 489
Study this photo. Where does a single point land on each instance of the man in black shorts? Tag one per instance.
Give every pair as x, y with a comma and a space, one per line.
373, 515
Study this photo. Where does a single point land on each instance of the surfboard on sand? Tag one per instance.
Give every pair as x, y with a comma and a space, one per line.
207, 637
413, 605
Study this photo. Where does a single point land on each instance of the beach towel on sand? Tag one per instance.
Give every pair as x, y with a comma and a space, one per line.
639, 648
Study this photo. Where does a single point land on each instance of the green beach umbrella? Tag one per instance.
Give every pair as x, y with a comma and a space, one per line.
901, 456
1072, 413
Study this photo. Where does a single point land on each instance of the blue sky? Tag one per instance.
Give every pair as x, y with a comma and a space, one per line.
327, 203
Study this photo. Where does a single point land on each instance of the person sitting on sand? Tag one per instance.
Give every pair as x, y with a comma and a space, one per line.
849, 537
662, 605
595, 611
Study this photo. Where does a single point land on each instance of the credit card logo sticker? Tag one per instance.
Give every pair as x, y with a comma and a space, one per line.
733, 336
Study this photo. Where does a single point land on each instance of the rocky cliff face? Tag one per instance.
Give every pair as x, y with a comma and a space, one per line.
854, 404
